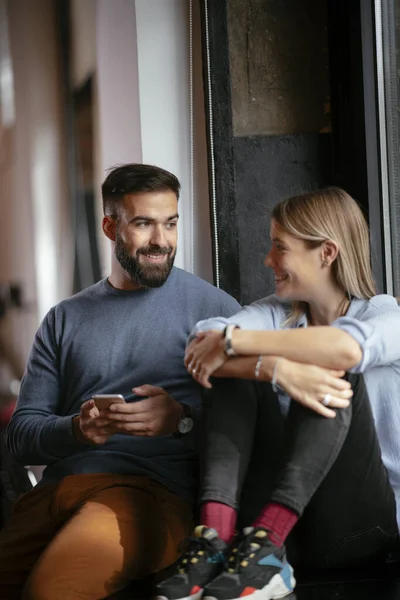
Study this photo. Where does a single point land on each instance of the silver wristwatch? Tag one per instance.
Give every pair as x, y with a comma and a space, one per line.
185, 423
228, 348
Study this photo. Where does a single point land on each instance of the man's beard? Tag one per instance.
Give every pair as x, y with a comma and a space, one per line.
147, 275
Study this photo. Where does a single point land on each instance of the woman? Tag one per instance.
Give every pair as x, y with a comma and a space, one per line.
334, 471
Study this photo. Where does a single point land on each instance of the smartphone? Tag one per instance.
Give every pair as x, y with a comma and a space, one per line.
104, 401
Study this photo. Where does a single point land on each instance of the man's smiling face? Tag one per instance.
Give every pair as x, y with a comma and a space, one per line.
146, 236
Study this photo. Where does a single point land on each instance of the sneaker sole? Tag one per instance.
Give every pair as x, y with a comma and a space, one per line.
195, 596
277, 588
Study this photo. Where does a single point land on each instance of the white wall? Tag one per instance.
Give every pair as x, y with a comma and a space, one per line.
163, 53
164, 63
83, 46
139, 52
118, 130
14, 341
35, 250
39, 159
142, 71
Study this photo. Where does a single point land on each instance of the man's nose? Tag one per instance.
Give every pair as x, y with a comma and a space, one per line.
158, 236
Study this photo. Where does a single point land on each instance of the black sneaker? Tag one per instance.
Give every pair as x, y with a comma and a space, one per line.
256, 569
203, 559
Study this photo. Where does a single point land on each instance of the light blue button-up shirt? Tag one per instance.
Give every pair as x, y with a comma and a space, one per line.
375, 324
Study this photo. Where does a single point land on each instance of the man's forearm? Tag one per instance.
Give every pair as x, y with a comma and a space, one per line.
40, 440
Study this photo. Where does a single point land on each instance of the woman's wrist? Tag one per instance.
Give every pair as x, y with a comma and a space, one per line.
249, 343
267, 368
280, 371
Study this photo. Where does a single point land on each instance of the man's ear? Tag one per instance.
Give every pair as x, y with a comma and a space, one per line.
109, 227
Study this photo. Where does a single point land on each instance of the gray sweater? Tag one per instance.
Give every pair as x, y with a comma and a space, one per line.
101, 341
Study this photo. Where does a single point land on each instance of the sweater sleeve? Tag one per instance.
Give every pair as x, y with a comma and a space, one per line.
377, 335
36, 435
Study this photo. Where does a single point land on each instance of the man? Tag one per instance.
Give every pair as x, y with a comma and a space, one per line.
115, 499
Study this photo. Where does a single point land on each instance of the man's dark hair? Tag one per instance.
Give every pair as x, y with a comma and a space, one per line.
135, 179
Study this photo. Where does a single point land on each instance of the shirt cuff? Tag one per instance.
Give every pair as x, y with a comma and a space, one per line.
62, 441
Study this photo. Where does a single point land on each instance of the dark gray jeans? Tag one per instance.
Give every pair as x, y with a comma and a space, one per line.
329, 471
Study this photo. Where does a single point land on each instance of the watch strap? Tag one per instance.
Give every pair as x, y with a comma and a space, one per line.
228, 348
187, 411
187, 414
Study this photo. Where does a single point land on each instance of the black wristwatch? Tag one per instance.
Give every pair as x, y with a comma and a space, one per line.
185, 423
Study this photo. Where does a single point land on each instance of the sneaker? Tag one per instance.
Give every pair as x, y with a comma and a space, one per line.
203, 559
256, 569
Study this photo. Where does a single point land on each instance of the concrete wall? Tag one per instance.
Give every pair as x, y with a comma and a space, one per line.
279, 66
280, 90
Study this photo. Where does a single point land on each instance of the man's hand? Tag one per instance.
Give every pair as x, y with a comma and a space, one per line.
88, 428
157, 414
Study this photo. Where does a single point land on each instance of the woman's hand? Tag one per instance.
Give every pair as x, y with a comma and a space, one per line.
309, 385
204, 355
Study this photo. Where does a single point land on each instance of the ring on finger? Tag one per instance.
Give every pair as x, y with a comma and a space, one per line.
327, 400
194, 371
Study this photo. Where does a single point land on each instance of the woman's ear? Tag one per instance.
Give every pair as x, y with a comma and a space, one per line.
330, 250
109, 227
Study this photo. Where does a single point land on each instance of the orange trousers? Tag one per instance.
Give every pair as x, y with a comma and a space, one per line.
88, 536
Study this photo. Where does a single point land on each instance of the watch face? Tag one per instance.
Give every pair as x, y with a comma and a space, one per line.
185, 425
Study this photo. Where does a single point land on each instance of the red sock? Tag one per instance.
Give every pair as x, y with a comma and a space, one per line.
279, 521
220, 517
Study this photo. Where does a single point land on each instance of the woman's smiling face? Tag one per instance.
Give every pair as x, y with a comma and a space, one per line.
297, 268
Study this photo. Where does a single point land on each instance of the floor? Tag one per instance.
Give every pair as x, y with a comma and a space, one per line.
360, 590
349, 591
351, 585
382, 584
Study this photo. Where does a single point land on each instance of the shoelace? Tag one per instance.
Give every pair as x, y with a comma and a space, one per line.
192, 546
244, 549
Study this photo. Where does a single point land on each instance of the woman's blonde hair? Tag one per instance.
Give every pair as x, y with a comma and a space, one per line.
331, 214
